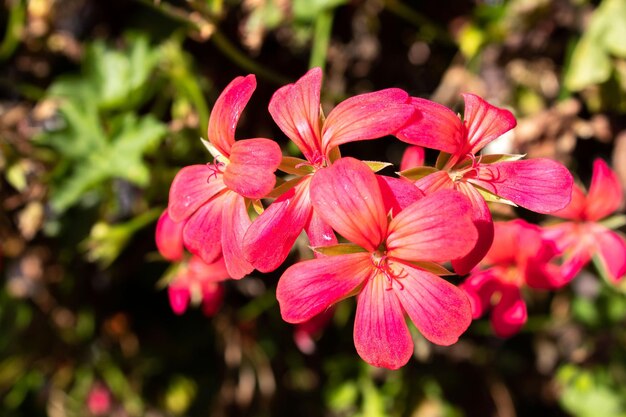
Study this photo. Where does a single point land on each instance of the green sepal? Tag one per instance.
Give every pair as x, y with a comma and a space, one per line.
334, 154
442, 159
491, 159
491, 197
417, 172
284, 187
258, 207
289, 163
339, 249
377, 165
433, 267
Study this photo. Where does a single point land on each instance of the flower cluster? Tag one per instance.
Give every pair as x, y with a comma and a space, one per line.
384, 240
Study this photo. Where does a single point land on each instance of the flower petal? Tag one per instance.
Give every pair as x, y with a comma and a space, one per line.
612, 251
441, 311
250, 172
479, 288
413, 157
346, 195
575, 210
439, 180
397, 193
481, 217
540, 185
308, 288
381, 336
193, 186
235, 223
227, 110
435, 126
605, 193
484, 122
202, 232
366, 116
319, 232
201, 271
296, 110
436, 228
271, 236
179, 297
169, 238
509, 315
212, 298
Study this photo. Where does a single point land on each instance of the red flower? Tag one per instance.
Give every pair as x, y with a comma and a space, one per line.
212, 199
584, 236
296, 110
518, 257
540, 185
387, 267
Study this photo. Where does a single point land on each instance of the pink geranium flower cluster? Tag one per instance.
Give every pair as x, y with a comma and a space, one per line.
383, 240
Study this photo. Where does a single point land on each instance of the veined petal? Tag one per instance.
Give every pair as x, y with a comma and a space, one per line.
271, 236
381, 336
397, 193
509, 315
235, 223
540, 185
436, 181
441, 311
319, 232
575, 210
484, 122
412, 157
436, 228
346, 195
481, 217
202, 232
250, 171
296, 110
193, 186
612, 251
605, 193
437, 128
310, 287
227, 110
169, 238
366, 116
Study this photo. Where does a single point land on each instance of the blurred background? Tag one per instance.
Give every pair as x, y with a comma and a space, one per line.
102, 102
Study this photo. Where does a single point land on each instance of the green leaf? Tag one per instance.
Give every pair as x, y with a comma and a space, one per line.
589, 65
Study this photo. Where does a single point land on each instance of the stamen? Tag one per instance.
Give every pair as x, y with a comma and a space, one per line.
382, 264
216, 167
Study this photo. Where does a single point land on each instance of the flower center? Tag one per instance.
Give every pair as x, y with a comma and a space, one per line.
216, 167
318, 161
472, 170
381, 262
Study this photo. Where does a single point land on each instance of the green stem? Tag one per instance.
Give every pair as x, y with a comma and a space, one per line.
417, 19
15, 24
614, 222
321, 38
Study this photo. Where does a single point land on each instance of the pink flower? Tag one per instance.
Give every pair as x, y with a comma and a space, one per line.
296, 110
198, 281
99, 400
518, 257
387, 267
540, 185
212, 199
306, 332
584, 236
412, 157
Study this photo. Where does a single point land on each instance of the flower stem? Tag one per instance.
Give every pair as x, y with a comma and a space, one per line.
321, 38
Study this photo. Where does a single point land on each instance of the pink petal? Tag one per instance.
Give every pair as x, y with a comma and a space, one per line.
251, 168
398, 193
612, 251
413, 157
605, 193
201, 271
484, 122
366, 116
227, 110
193, 186
169, 238
540, 185
437, 128
202, 232
271, 236
346, 195
479, 288
441, 311
481, 217
319, 232
509, 315
381, 336
305, 333
179, 297
296, 110
235, 223
308, 288
212, 298
436, 181
575, 210
436, 228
